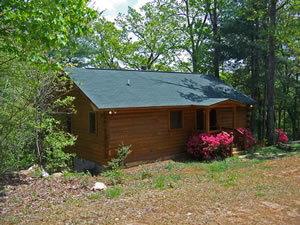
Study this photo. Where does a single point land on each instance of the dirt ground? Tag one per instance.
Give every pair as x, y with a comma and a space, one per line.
262, 193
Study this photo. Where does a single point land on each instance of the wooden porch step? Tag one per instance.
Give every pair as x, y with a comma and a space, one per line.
236, 151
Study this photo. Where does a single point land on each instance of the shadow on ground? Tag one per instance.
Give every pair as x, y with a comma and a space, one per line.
11, 179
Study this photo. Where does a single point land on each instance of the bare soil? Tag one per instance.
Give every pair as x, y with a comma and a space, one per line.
161, 193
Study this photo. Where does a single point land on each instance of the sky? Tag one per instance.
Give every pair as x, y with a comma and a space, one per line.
114, 7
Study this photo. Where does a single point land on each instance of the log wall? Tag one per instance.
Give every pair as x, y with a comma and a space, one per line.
88, 146
149, 133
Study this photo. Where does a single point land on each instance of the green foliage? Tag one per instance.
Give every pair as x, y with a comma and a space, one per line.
168, 181
145, 173
55, 158
32, 86
231, 163
123, 151
114, 174
37, 172
34, 27
113, 192
170, 166
95, 196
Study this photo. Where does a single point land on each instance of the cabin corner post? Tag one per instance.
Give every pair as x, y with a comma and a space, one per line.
207, 120
106, 135
234, 117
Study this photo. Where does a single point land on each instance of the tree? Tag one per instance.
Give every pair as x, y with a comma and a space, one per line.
149, 38
30, 79
110, 45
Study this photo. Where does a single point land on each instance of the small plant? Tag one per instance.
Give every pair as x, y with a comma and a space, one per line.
114, 176
123, 151
95, 196
72, 200
68, 175
113, 192
281, 136
170, 166
37, 172
207, 146
114, 173
166, 181
145, 173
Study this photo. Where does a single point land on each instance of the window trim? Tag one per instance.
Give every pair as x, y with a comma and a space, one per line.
182, 120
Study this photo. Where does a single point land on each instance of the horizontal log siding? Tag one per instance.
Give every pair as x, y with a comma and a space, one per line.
149, 134
242, 117
88, 146
224, 117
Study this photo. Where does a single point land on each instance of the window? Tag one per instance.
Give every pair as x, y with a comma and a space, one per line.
175, 119
200, 119
213, 119
69, 123
92, 118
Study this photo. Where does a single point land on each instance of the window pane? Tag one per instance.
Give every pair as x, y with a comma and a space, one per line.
175, 119
92, 123
200, 119
213, 119
69, 124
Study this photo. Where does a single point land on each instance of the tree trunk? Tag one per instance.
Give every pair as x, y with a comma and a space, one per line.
271, 78
216, 40
255, 93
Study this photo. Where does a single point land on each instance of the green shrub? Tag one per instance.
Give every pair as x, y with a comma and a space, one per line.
114, 174
113, 192
123, 151
95, 196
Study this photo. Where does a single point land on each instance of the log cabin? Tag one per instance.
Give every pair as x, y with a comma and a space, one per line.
154, 112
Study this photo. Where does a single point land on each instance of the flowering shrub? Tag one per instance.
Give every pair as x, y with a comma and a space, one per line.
281, 136
207, 146
251, 139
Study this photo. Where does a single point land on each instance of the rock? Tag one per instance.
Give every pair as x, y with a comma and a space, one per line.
44, 173
57, 175
99, 186
29, 170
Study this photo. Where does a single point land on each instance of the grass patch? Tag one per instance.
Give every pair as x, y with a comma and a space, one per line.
297, 145
260, 194
95, 196
72, 200
226, 179
166, 181
269, 150
232, 163
145, 173
113, 192
196, 185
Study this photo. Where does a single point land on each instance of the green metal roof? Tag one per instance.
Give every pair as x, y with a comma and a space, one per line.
127, 88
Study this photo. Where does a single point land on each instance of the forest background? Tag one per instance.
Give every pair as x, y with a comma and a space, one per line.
252, 45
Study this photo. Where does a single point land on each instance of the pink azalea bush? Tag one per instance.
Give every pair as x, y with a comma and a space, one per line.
249, 135
281, 136
207, 146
